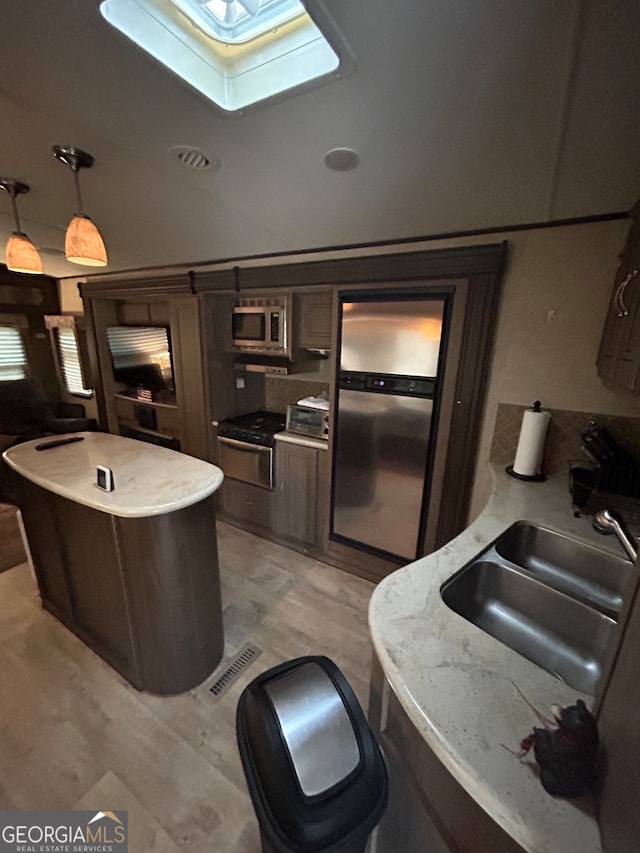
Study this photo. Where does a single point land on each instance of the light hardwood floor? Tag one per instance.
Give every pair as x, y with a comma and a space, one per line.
74, 734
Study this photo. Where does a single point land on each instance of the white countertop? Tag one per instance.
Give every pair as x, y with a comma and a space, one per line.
458, 684
302, 440
149, 480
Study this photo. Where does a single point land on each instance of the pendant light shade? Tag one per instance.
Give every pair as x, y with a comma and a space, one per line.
83, 243
21, 255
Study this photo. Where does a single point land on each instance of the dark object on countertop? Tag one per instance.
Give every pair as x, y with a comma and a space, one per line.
568, 754
618, 472
59, 441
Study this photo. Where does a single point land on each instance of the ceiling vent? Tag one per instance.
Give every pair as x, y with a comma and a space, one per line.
193, 158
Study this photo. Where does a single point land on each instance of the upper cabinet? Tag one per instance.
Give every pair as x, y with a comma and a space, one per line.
619, 356
313, 316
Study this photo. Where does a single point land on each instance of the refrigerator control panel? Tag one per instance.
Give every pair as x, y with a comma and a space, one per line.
385, 383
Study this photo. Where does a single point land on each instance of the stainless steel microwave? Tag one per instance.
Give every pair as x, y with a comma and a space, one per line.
260, 329
306, 420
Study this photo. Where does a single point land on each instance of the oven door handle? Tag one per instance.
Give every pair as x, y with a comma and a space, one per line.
244, 445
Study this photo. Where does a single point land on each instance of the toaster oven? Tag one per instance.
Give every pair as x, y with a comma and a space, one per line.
308, 420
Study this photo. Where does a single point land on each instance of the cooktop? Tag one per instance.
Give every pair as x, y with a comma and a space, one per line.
253, 427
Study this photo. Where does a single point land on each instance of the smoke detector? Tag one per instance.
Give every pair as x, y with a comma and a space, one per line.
342, 159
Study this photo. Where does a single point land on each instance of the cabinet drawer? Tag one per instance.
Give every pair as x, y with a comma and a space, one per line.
168, 421
123, 407
247, 503
137, 413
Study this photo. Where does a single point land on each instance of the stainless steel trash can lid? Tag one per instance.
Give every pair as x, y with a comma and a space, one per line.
315, 726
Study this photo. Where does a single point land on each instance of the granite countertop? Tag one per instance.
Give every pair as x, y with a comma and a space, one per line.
459, 686
149, 480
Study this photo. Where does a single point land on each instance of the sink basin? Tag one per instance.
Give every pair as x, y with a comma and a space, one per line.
583, 571
551, 598
558, 633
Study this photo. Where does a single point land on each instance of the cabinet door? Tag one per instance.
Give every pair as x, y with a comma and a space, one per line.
313, 317
618, 724
247, 503
619, 356
95, 581
628, 328
296, 486
42, 527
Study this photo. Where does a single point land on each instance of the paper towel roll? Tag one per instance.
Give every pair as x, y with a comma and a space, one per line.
528, 461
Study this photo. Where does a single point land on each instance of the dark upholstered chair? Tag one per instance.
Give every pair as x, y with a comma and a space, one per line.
25, 414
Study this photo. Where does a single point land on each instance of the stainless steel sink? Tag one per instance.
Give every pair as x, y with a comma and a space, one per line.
583, 571
551, 598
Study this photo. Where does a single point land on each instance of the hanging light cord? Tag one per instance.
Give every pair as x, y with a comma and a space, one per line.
15, 212
74, 169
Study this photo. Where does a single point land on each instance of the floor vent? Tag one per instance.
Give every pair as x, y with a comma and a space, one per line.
242, 660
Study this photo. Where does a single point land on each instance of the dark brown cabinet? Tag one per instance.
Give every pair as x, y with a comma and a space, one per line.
619, 356
142, 592
618, 725
313, 316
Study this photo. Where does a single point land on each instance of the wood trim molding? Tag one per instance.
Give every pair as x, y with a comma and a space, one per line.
123, 288
477, 344
400, 266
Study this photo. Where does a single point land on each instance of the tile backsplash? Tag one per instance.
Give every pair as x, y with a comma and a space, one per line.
564, 436
280, 393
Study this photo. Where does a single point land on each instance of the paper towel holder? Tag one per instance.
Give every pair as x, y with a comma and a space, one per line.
529, 478
532, 478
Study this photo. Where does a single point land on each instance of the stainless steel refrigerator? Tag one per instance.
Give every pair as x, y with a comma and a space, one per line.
390, 357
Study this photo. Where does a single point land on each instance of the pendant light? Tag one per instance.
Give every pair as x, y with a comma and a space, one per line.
83, 243
21, 254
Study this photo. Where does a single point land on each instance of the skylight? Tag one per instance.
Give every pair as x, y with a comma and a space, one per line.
239, 20
236, 52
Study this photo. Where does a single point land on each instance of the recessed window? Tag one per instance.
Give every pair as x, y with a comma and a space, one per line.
236, 52
70, 365
13, 359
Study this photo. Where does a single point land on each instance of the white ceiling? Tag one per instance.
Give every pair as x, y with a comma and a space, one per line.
467, 114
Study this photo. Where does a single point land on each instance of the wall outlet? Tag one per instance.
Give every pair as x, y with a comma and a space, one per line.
239, 381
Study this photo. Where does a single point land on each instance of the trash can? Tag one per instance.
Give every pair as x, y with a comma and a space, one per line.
314, 770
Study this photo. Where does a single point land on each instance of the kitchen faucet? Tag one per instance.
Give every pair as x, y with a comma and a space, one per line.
606, 522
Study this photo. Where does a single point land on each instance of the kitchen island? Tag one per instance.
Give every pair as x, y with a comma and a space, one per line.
447, 698
134, 571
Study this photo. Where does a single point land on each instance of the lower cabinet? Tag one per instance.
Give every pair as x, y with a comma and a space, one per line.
297, 493
428, 809
144, 593
248, 504
295, 510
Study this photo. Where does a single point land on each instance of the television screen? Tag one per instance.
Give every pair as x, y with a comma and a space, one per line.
141, 356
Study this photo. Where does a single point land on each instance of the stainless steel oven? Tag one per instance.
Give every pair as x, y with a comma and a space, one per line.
249, 463
246, 447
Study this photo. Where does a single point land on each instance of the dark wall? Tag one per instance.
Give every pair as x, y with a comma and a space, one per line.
31, 297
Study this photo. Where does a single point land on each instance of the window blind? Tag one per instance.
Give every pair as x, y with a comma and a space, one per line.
13, 359
70, 362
